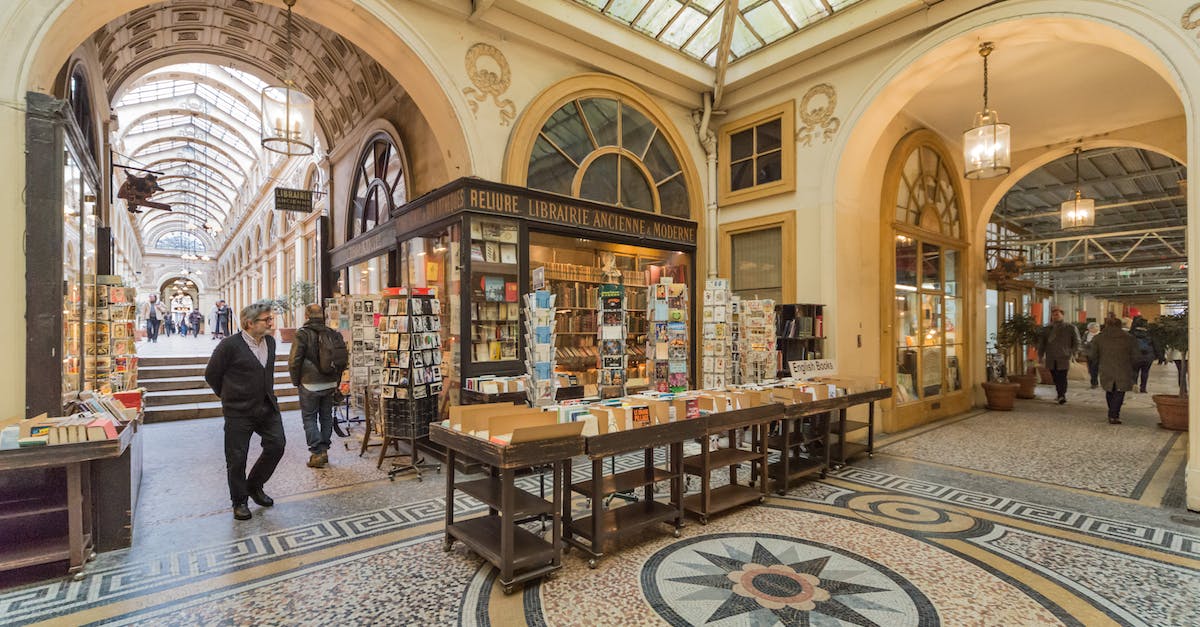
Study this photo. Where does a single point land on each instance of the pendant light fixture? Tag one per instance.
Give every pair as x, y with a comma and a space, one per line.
986, 147
1078, 211
288, 117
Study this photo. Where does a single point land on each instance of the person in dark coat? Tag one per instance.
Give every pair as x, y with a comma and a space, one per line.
1147, 352
317, 388
195, 318
241, 372
1114, 351
1059, 343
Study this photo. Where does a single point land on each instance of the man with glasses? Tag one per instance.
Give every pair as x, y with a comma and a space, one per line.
241, 372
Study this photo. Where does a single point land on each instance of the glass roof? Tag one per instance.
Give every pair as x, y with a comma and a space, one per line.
198, 125
693, 27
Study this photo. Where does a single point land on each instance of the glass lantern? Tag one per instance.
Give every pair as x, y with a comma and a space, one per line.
288, 120
986, 147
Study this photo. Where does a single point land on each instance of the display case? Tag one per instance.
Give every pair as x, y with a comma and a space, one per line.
800, 332
495, 290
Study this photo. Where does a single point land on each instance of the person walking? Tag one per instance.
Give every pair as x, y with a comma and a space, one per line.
241, 372
1147, 352
1058, 345
183, 325
1114, 351
317, 381
169, 324
223, 315
153, 313
1093, 329
195, 318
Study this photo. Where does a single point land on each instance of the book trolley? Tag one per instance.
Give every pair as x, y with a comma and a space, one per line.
410, 377
710, 500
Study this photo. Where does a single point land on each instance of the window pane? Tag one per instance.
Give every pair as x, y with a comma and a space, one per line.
673, 199
635, 189
906, 318
741, 145
953, 319
636, 130
770, 168
757, 261
906, 262
601, 115
660, 159
600, 180
768, 135
931, 371
931, 319
953, 374
741, 175
931, 267
565, 128
549, 170
906, 370
951, 270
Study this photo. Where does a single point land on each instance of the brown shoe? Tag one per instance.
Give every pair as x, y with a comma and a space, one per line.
324, 458
317, 460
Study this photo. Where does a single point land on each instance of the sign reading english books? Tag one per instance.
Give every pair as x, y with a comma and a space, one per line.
293, 200
807, 368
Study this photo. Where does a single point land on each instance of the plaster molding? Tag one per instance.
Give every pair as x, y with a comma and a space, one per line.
488, 82
818, 117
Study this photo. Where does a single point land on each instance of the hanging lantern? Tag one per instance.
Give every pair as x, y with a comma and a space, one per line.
1078, 211
987, 146
288, 119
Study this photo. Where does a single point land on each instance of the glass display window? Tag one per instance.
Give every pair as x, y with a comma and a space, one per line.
495, 289
369, 277
433, 261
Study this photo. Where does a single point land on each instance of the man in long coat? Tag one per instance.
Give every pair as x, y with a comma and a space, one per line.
1114, 351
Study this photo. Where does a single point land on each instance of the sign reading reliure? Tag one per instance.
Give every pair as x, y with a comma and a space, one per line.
293, 200
521, 203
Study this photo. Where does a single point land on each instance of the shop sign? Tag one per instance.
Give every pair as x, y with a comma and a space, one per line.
812, 368
293, 200
372, 244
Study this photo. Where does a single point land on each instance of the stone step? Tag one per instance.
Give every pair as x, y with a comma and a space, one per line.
191, 382
158, 372
205, 395
189, 411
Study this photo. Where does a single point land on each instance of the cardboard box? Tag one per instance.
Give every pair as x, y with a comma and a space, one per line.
791, 395
470, 418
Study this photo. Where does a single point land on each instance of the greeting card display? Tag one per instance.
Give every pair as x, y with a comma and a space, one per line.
539, 347
365, 362
409, 347
611, 335
667, 341
756, 322
716, 361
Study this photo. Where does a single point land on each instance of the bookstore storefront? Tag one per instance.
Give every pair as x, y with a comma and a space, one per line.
482, 245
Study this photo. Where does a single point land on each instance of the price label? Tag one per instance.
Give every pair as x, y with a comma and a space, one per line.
812, 368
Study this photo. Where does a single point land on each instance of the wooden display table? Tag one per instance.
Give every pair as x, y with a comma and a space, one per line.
843, 450
47, 494
593, 534
518, 554
711, 500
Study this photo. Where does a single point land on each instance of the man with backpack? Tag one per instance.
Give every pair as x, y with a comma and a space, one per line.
1146, 352
316, 363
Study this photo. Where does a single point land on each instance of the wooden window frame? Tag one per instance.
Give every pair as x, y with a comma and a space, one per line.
786, 222
786, 113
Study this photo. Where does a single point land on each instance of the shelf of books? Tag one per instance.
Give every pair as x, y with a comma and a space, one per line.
576, 290
667, 342
716, 361
539, 348
756, 325
800, 330
106, 350
495, 302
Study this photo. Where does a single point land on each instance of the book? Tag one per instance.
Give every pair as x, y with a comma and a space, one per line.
508, 253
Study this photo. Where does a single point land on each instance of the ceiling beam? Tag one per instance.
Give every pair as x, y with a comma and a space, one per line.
1069, 187
1100, 265
731, 11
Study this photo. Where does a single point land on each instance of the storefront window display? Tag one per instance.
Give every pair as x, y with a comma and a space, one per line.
431, 261
368, 277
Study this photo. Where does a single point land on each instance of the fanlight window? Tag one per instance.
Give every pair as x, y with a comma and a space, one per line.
604, 149
926, 196
180, 240
379, 185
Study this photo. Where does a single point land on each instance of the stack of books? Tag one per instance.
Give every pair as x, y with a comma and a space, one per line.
539, 348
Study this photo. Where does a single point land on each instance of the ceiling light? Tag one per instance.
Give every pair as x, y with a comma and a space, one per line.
1078, 211
986, 146
288, 115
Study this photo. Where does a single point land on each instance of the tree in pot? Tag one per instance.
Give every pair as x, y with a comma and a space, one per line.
1014, 335
1000, 392
1170, 333
300, 293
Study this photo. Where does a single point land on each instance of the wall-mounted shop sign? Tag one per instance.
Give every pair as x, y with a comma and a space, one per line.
293, 200
517, 202
368, 245
812, 368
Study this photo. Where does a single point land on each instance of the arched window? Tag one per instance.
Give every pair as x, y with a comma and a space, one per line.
80, 99
179, 240
925, 333
379, 185
608, 150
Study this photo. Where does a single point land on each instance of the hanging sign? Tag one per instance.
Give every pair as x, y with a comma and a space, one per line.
293, 200
807, 368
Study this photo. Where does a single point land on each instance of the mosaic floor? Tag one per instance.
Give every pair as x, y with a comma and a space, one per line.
888, 541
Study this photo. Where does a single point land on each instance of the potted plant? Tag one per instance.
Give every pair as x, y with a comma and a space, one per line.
1170, 333
300, 293
1000, 392
1014, 335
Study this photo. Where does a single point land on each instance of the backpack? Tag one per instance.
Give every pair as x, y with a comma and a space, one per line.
1145, 350
332, 355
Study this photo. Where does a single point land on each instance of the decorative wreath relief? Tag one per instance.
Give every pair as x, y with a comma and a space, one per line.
818, 117
1190, 20
492, 80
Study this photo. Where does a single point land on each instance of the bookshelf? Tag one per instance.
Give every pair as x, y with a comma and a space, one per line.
495, 308
800, 332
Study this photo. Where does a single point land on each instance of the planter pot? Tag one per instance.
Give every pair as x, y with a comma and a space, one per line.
1172, 411
1027, 383
1045, 378
1000, 396
287, 334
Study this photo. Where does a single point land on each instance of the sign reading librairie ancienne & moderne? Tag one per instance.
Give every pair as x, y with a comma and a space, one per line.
293, 200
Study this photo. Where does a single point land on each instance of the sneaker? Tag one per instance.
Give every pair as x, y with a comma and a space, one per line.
1062, 400
317, 460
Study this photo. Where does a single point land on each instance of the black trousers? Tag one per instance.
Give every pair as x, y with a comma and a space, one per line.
1094, 371
1142, 372
269, 426
1115, 399
1060, 381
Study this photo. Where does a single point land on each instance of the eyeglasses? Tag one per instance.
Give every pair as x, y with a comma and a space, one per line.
267, 319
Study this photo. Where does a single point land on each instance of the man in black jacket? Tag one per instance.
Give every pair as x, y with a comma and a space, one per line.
316, 388
241, 372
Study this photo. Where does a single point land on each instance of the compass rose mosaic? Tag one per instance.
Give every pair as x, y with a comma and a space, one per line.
762, 579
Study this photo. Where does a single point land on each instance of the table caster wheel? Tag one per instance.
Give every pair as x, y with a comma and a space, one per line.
677, 533
704, 520
823, 474
447, 545
870, 456
762, 499
508, 589
77, 576
592, 563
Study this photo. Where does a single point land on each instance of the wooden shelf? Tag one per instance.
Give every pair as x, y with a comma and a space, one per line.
625, 519
33, 507
721, 458
851, 425
721, 499
794, 439
494, 267
796, 468
34, 552
483, 536
488, 490
622, 481
851, 449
